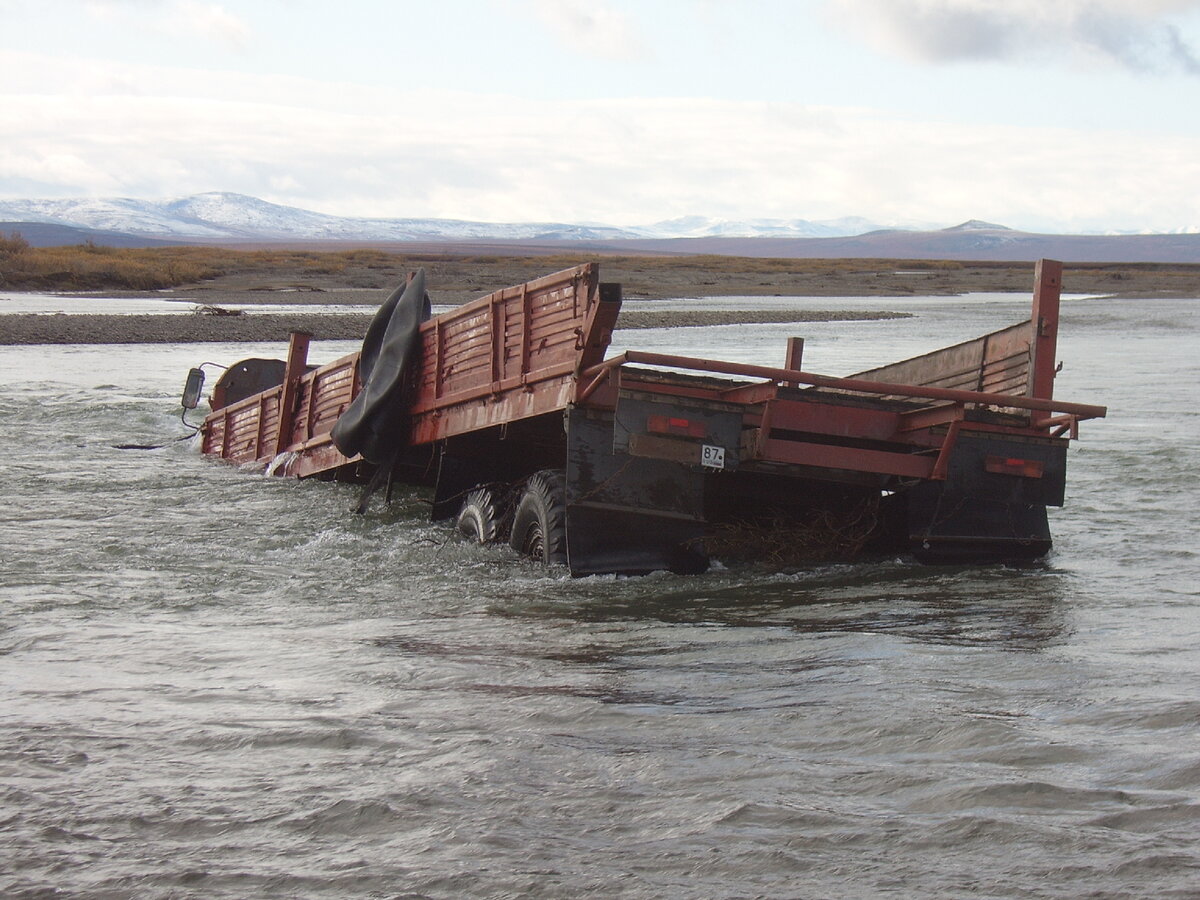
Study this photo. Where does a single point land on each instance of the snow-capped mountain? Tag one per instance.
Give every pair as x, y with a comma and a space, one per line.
706, 226
978, 225
215, 217
116, 215
228, 216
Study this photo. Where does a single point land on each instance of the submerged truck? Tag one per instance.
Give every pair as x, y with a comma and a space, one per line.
509, 408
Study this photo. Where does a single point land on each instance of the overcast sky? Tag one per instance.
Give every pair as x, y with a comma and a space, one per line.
1052, 115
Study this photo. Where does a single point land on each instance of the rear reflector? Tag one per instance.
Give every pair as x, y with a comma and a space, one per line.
658, 424
1007, 465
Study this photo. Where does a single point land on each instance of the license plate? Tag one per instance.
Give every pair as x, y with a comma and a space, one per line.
713, 457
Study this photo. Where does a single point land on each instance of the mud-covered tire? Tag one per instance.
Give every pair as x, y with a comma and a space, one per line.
539, 527
481, 518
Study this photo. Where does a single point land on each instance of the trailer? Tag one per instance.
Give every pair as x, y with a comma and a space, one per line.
508, 408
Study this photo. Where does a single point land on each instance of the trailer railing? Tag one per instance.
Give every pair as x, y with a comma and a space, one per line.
598, 374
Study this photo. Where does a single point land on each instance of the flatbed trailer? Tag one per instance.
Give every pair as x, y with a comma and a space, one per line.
509, 410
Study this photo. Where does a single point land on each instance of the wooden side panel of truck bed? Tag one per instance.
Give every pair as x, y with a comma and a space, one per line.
503, 357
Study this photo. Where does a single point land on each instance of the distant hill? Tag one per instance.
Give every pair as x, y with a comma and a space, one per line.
222, 216
961, 243
42, 234
226, 218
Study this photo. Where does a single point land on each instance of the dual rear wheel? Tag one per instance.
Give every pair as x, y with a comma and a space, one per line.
481, 519
539, 521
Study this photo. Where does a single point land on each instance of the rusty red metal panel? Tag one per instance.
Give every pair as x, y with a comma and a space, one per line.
794, 359
323, 395
313, 460
492, 355
297, 359
942, 465
212, 436
834, 419
851, 384
484, 396
751, 394
250, 427
995, 363
526, 310
596, 387
1046, 295
552, 394
509, 334
595, 334
532, 350
543, 322
302, 417
334, 388
931, 416
854, 459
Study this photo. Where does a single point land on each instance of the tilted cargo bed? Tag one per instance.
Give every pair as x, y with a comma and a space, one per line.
646, 461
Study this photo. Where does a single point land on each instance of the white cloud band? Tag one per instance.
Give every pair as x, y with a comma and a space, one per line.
93, 129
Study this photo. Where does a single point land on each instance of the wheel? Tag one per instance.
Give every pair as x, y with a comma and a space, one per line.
540, 524
480, 518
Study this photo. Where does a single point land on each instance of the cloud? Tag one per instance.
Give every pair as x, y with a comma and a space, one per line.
1135, 34
175, 18
591, 26
73, 129
210, 20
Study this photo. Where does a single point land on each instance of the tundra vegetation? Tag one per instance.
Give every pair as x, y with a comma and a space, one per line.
460, 271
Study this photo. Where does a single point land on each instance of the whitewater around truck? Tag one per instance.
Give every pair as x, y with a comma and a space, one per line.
508, 409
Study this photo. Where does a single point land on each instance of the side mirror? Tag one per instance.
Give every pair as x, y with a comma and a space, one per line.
192, 388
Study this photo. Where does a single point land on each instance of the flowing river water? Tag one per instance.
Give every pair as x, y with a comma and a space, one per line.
218, 685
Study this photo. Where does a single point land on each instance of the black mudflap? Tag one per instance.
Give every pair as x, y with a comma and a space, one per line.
949, 528
628, 514
992, 505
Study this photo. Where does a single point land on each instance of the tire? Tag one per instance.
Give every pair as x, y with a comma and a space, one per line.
480, 519
540, 523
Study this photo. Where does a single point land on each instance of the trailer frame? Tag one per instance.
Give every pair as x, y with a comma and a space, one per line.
655, 450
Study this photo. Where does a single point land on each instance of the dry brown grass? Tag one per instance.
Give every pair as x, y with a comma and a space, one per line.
90, 266
459, 275
94, 267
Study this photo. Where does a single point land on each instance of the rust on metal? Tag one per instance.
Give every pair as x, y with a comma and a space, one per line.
517, 381
857, 385
297, 359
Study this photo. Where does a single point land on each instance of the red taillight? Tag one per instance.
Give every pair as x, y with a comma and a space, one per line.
1008, 465
658, 424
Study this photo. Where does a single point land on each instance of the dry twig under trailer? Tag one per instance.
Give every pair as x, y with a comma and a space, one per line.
508, 408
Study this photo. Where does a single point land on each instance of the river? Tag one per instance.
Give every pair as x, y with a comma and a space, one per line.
218, 685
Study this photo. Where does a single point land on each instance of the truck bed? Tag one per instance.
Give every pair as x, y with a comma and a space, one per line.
658, 453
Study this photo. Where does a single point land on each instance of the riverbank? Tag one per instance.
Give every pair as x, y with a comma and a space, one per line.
187, 329
216, 275
453, 280
361, 281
